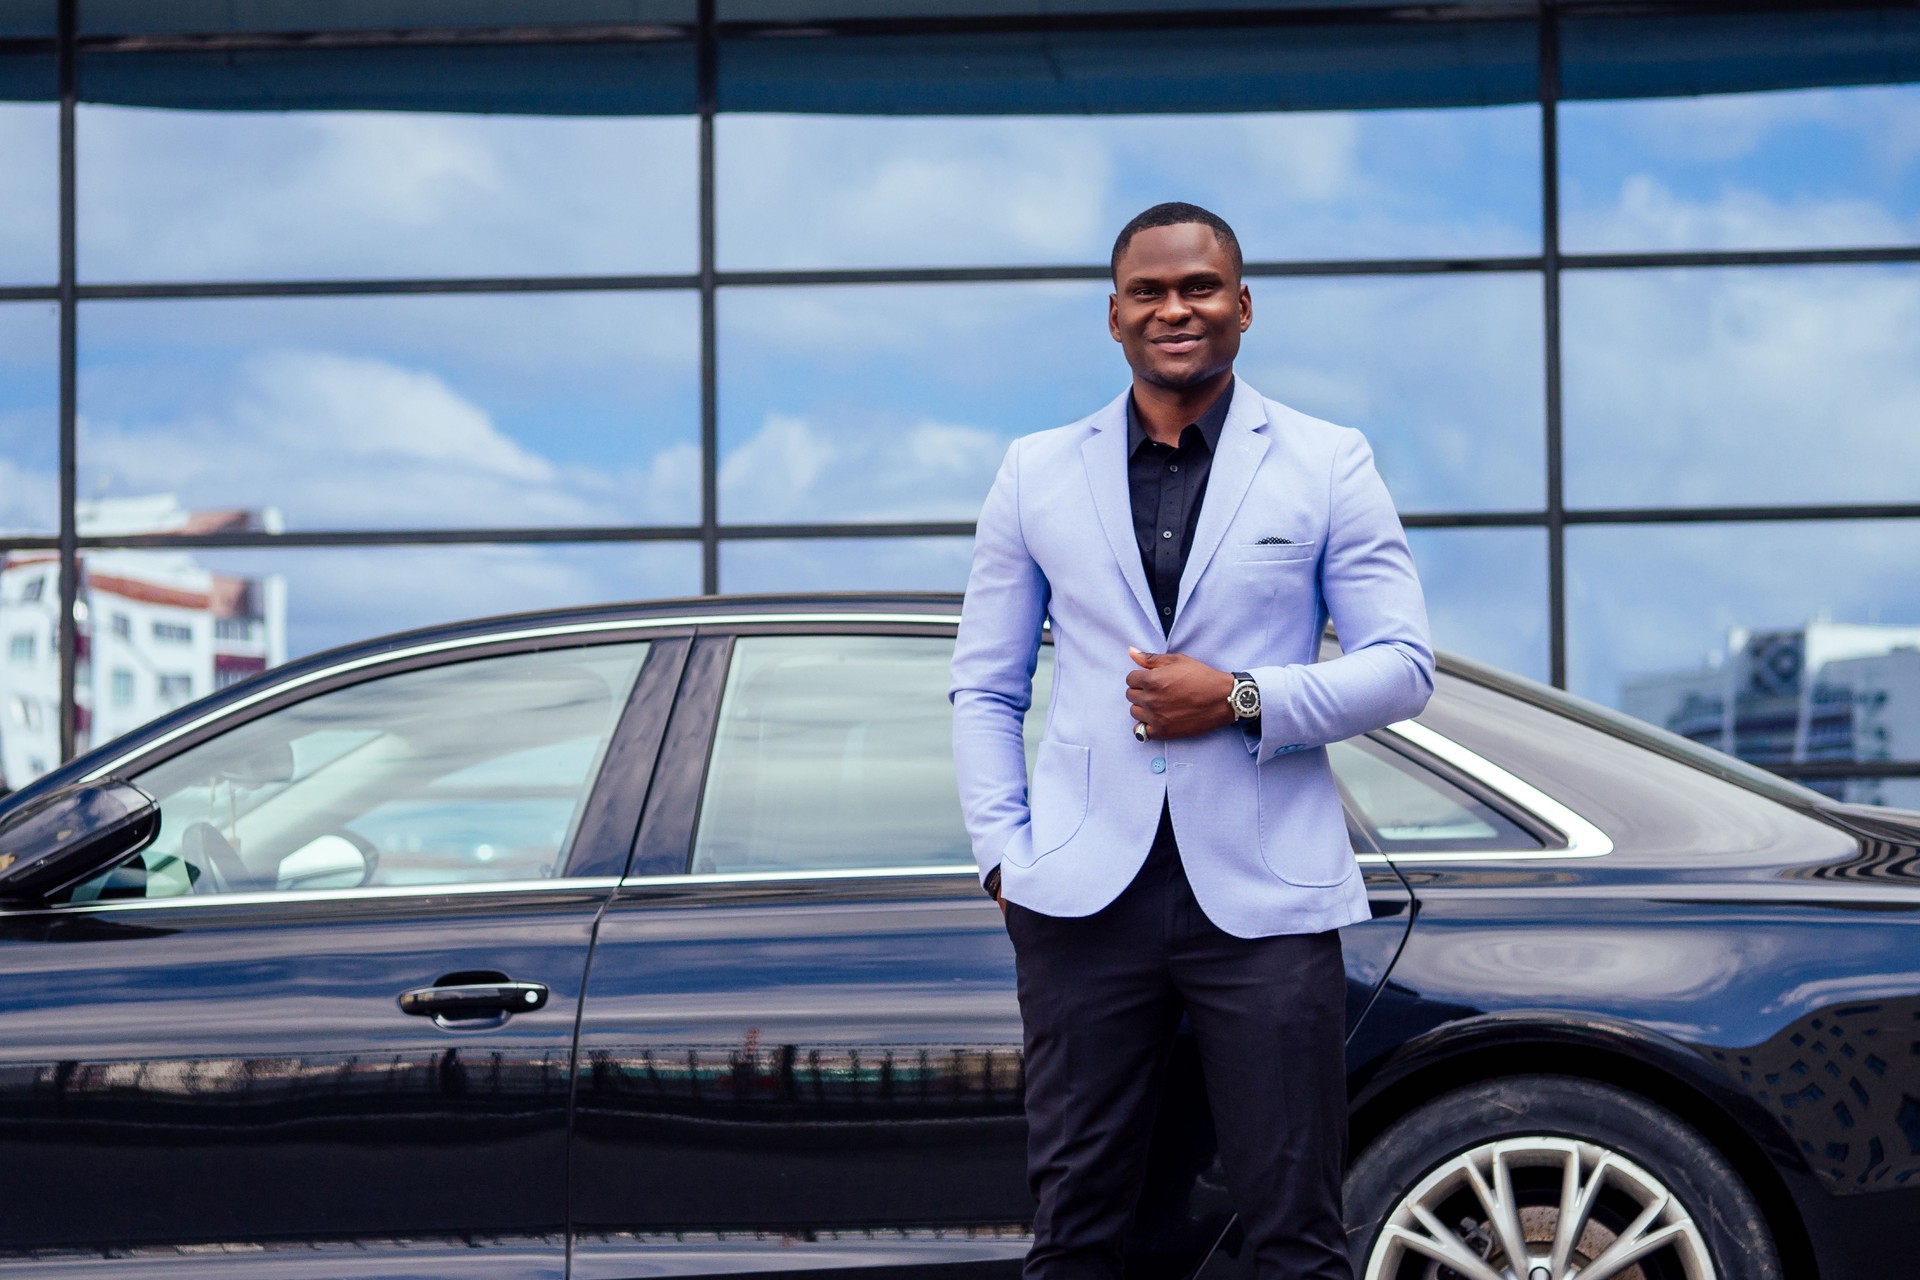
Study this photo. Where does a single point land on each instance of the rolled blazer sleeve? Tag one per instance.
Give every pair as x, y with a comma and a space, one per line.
1385, 670
992, 678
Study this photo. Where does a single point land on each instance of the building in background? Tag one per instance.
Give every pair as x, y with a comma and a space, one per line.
1823, 693
156, 631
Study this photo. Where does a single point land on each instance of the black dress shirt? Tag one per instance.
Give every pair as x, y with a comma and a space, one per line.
1168, 484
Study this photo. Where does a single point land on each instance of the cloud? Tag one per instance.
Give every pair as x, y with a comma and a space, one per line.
1746, 386
186, 194
1648, 215
29, 499
29, 215
921, 469
337, 596
338, 440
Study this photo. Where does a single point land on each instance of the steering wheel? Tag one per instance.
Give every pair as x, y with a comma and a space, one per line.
202, 845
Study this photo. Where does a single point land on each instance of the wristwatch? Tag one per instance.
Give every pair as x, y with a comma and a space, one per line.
1245, 698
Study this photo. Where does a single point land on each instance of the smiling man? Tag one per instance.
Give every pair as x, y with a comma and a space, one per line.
1181, 848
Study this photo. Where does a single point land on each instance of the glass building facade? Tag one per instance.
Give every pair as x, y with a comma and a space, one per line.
323, 320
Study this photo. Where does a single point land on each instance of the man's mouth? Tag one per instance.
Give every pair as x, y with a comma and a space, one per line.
1177, 343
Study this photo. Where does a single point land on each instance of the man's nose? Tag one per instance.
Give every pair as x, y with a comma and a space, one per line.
1172, 309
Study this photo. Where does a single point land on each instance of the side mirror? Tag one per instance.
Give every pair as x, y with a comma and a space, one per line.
60, 839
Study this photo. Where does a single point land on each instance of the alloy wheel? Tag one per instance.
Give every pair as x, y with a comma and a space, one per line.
1539, 1208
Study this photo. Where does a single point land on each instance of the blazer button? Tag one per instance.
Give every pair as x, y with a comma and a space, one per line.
1159, 764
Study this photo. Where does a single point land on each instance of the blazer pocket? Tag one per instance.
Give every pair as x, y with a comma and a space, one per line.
1057, 800
1266, 552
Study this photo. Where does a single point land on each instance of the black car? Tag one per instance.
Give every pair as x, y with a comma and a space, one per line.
645, 941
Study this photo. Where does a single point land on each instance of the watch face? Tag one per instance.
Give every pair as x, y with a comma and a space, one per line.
1246, 700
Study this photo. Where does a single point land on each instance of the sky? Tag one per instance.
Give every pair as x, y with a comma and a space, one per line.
896, 402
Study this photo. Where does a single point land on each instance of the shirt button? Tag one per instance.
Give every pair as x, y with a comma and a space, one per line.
1166, 533
1173, 466
1159, 764
1167, 610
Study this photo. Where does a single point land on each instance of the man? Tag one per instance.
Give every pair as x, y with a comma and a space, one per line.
1182, 847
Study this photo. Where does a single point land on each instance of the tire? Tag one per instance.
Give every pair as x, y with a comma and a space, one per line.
1414, 1211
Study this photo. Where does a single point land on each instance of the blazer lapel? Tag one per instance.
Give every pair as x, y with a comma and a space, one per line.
1243, 442
1105, 455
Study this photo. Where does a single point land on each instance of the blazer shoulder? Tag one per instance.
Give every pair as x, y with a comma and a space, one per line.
1041, 447
1304, 430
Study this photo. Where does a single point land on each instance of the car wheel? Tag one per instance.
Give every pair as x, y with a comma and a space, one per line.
1547, 1178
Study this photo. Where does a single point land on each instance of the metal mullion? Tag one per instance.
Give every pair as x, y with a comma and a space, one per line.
48, 543
254, 539
1096, 271
379, 287
1474, 519
890, 529
1736, 514
546, 535
708, 89
69, 547
1676, 259
1846, 768
1358, 267
1550, 322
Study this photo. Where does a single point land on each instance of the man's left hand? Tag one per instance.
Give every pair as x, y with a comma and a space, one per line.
1178, 697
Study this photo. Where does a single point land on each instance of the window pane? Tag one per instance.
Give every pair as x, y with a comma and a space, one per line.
1784, 643
30, 195
1742, 385
881, 191
458, 774
204, 195
29, 417
1486, 594
837, 752
845, 564
891, 402
385, 412
1808, 168
1404, 808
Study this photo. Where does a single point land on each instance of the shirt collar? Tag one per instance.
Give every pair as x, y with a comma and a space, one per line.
1208, 423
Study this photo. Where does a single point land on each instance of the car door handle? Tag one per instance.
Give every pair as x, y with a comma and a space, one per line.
473, 1000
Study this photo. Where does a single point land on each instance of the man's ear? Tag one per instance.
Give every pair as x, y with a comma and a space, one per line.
1113, 316
1246, 307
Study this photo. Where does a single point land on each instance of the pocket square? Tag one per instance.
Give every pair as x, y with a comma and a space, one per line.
1273, 540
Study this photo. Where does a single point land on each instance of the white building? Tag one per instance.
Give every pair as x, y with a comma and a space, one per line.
156, 631
1827, 691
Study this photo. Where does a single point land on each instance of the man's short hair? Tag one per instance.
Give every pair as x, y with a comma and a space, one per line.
1176, 213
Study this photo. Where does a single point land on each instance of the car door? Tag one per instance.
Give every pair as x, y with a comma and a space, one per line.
323, 1025
800, 1046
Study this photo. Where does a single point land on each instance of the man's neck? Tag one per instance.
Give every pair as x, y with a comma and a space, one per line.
1164, 412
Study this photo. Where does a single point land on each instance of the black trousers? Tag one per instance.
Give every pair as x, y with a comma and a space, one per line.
1101, 997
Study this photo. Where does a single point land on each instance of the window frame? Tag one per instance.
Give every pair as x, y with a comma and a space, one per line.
609, 812
664, 848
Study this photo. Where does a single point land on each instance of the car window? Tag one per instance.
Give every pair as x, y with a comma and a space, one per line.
476, 771
836, 752
1403, 807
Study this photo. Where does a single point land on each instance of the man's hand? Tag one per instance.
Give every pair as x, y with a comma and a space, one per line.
1178, 697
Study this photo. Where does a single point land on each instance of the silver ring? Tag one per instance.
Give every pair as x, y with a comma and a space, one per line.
1140, 730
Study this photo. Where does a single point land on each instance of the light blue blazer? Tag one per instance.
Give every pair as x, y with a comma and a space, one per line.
1259, 823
